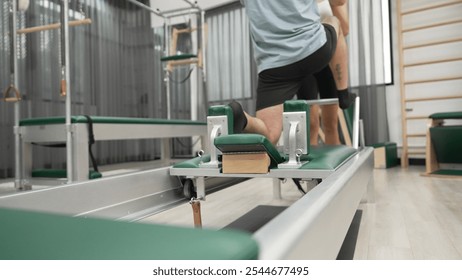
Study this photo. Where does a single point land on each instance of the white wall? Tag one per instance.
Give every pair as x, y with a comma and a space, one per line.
393, 91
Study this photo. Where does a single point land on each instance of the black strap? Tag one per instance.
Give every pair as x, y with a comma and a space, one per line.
299, 185
91, 141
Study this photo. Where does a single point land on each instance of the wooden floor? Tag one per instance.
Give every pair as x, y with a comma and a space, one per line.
412, 217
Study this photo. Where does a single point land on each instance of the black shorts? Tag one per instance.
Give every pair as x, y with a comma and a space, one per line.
322, 82
279, 84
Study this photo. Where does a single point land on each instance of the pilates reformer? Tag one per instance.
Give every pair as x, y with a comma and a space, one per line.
315, 226
96, 128
312, 228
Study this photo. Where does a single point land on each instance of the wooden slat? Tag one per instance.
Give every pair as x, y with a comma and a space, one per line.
433, 98
417, 118
434, 43
414, 152
430, 7
416, 135
404, 153
52, 26
443, 23
431, 163
432, 62
433, 80
344, 128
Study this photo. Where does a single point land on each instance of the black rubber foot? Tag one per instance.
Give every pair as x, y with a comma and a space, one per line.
345, 99
240, 120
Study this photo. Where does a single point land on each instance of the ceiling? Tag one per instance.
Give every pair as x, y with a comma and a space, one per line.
164, 5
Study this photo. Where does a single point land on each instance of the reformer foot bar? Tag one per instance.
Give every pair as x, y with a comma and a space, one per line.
316, 225
53, 130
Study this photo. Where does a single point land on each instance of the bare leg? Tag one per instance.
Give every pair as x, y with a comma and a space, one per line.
339, 62
330, 124
268, 122
314, 125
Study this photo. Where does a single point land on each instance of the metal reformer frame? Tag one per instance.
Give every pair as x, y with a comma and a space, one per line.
295, 145
314, 227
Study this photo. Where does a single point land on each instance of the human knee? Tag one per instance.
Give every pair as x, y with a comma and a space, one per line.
337, 2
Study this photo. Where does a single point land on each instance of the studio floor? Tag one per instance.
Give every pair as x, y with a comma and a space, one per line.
411, 217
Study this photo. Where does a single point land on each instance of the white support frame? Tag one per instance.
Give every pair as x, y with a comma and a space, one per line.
80, 147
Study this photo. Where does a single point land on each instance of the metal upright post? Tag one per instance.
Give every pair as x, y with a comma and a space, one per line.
167, 73
66, 86
203, 42
19, 176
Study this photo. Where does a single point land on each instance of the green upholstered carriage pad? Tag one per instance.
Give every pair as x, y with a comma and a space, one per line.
242, 143
223, 110
34, 236
107, 120
321, 157
327, 156
446, 115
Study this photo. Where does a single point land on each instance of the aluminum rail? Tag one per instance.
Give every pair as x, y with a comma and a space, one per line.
141, 5
190, 3
130, 197
180, 12
315, 226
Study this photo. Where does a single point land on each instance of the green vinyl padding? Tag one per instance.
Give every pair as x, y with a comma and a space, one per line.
223, 110
391, 153
60, 173
447, 172
106, 120
40, 236
446, 115
447, 142
192, 163
178, 57
324, 157
349, 117
327, 156
296, 106
243, 143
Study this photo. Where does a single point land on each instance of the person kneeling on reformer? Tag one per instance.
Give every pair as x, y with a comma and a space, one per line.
284, 58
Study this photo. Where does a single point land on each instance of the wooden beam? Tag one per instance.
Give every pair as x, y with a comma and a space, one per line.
52, 26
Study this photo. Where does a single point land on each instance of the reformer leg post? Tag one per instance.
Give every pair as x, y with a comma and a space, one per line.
197, 216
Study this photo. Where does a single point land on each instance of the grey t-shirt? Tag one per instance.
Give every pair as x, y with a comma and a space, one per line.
283, 31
